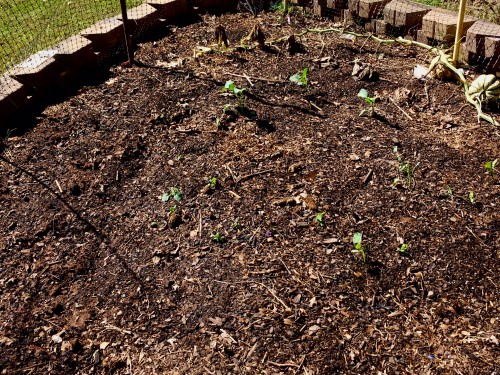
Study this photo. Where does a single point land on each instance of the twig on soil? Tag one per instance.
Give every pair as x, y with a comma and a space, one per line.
59, 186
282, 364
251, 351
263, 272
249, 176
300, 365
368, 177
314, 105
401, 109
234, 194
477, 238
254, 78
262, 285
200, 224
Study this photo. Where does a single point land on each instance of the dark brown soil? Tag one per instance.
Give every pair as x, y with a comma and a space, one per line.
99, 275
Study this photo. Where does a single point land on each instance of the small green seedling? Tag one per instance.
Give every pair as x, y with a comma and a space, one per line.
490, 167
357, 238
235, 224
449, 190
300, 78
403, 250
240, 95
237, 92
213, 182
154, 224
217, 237
319, 218
407, 168
472, 197
363, 93
174, 192
172, 209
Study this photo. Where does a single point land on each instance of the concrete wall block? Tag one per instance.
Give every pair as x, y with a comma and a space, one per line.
353, 6
337, 4
39, 72
320, 8
171, 10
75, 52
441, 25
476, 38
492, 47
105, 34
13, 97
405, 14
369, 9
382, 27
215, 5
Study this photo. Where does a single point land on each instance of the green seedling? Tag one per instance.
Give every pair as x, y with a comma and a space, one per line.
174, 193
407, 168
237, 92
300, 78
449, 190
217, 237
363, 93
403, 250
172, 209
154, 224
213, 182
319, 218
472, 197
490, 167
240, 95
357, 238
235, 224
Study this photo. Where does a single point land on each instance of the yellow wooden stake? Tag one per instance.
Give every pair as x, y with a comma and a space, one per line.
460, 29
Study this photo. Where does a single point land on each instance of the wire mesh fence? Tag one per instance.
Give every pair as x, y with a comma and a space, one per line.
29, 26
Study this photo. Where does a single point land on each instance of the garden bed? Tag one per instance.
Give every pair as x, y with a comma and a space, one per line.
189, 236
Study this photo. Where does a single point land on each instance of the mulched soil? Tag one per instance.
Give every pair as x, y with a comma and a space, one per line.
101, 274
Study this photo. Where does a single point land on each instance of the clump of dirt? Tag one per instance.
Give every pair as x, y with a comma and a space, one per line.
156, 224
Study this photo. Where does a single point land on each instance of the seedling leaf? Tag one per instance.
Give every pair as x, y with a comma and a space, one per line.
363, 93
357, 238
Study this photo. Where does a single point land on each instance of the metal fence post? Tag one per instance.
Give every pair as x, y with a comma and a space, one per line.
128, 39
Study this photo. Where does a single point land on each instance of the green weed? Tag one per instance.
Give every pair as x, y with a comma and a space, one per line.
490, 167
407, 168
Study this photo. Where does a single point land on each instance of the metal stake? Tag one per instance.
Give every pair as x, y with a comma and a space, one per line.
128, 39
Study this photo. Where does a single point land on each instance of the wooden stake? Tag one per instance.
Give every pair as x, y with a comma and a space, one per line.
460, 29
